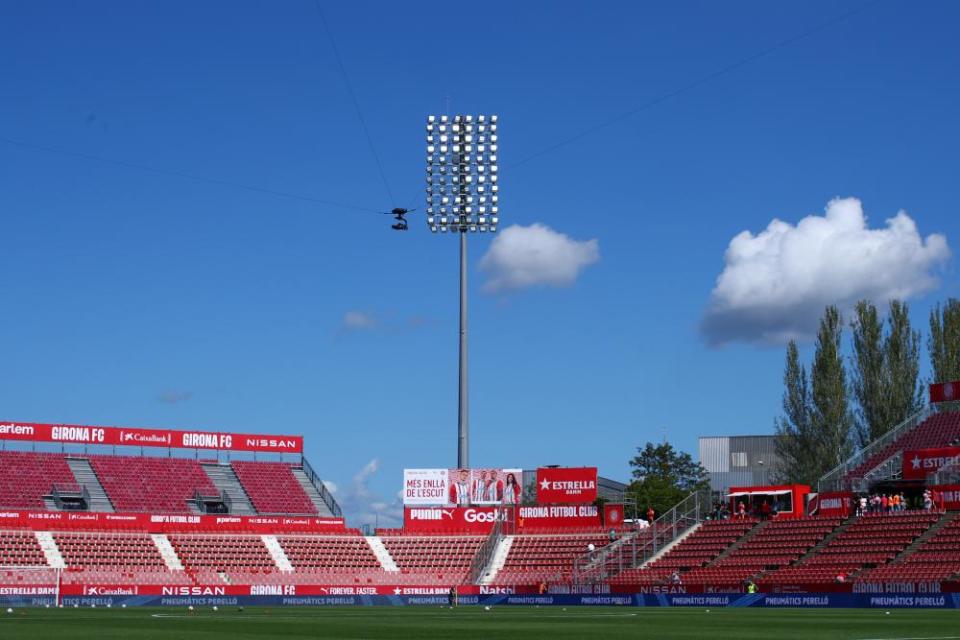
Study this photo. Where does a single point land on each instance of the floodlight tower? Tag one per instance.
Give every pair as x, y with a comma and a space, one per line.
462, 198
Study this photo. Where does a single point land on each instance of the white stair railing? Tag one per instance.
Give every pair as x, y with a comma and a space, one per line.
836, 479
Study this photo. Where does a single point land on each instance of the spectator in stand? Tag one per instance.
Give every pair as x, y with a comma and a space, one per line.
675, 578
862, 506
765, 510
884, 503
895, 502
751, 586
741, 510
841, 577
927, 501
903, 502
651, 514
542, 587
724, 512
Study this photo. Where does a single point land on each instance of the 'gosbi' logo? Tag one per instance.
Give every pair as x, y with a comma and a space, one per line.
472, 515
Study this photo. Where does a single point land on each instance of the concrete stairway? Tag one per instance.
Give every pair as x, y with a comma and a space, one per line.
226, 481
50, 550
167, 552
322, 509
383, 554
739, 542
662, 551
277, 553
815, 549
87, 478
497, 560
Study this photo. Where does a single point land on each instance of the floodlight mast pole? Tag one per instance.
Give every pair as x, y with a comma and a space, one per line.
457, 148
463, 412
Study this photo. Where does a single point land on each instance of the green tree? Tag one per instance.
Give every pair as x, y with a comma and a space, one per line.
664, 476
886, 370
831, 419
901, 353
867, 384
796, 444
944, 341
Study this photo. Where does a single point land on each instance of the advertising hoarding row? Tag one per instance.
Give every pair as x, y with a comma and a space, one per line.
160, 523
917, 463
385, 595
465, 487
945, 391
900, 588
566, 485
834, 503
136, 437
480, 519
946, 496
462, 487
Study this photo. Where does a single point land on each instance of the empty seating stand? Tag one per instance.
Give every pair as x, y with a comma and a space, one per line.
776, 544
20, 549
155, 485
936, 559
273, 488
26, 477
342, 560
939, 430
545, 558
433, 559
870, 541
224, 559
696, 550
114, 558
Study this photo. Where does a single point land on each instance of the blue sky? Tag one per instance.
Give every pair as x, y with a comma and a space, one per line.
146, 299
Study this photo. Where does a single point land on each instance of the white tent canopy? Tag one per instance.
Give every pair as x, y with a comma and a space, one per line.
759, 492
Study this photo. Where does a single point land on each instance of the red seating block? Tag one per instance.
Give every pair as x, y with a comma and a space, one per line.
25, 477
273, 488
152, 485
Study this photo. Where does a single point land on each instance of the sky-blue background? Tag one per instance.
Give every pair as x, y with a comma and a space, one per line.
144, 299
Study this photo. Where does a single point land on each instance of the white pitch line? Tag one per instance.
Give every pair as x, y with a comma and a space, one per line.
918, 638
339, 614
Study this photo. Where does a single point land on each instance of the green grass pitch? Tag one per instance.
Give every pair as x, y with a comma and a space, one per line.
474, 622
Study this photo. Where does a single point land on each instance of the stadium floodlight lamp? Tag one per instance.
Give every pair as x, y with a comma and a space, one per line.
465, 146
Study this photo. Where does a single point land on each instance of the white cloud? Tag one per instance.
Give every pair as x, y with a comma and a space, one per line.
521, 257
331, 486
359, 321
775, 285
362, 505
